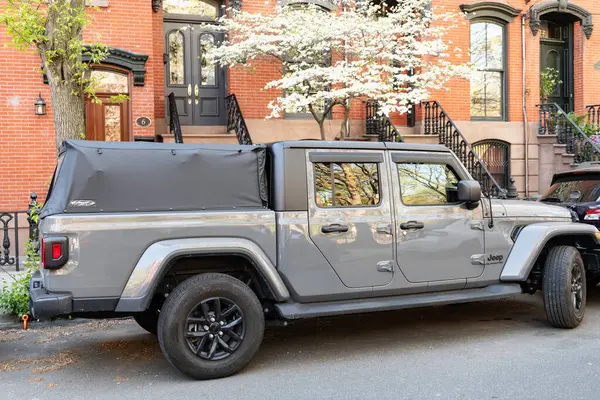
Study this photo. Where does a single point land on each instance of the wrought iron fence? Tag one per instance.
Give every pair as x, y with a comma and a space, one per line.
554, 121
9, 228
380, 125
593, 117
235, 120
174, 124
437, 122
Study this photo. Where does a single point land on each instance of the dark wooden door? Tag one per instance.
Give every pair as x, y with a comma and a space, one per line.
556, 52
198, 85
178, 76
107, 121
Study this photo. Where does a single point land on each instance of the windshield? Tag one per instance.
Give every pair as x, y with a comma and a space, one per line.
574, 190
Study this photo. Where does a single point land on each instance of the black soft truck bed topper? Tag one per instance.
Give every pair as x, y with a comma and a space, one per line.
143, 177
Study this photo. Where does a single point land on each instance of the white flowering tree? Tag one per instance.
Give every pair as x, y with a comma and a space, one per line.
394, 55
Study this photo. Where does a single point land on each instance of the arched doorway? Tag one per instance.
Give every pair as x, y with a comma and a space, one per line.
556, 52
495, 154
555, 21
199, 86
108, 120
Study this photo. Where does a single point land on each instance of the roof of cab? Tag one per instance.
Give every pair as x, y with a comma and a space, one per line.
357, 145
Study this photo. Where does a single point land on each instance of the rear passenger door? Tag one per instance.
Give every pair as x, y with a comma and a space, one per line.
350, 214
440, 240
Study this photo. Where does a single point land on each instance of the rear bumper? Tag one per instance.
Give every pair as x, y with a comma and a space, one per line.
45, 305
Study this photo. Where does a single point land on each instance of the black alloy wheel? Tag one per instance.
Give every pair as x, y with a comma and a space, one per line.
215, 328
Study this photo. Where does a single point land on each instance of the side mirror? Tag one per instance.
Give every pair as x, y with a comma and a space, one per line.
469, 191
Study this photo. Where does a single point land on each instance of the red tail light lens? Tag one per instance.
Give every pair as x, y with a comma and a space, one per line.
56, 251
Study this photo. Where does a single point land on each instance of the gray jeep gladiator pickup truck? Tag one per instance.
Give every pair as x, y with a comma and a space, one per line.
203, 243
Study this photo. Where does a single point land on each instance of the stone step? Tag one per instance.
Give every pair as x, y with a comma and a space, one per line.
421, 139
201, 130
204, 138
560, 148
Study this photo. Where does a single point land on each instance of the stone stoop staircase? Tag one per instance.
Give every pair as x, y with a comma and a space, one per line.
563, 143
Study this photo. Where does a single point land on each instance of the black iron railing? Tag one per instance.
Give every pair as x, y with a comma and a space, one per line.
437, 122
9, 233
235, 120
380, 125
554, 121
593, 117
174, 124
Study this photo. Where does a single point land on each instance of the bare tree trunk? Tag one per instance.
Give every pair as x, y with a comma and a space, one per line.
69, 121
322, 128
344, 131
66, 88
352, 184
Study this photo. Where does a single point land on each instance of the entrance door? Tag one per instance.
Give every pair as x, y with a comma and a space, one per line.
108, 120
199, 86
555, 49
439, 238
350, 215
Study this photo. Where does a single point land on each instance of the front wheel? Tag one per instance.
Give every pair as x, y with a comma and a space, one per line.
564, 287
210, 326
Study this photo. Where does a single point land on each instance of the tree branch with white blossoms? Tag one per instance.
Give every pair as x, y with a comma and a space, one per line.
393, 55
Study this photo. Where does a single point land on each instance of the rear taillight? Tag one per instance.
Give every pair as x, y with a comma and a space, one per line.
55, 252
593, 214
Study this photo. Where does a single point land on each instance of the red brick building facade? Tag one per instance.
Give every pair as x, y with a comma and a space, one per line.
157, 49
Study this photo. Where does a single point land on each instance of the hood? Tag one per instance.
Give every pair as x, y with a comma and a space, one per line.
528, 209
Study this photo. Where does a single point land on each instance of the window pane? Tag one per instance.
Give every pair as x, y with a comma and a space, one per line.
478, 94
110, 81
495, 49
112, 123
207, 8
356, 184
353, 185
207, 69
176, 59
493, 94
323, 188
427, 184
478, 45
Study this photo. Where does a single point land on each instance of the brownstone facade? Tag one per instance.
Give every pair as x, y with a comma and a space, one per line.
139, 36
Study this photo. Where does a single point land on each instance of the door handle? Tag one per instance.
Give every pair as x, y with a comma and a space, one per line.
196, 93
412, 225
334, 228
189, 94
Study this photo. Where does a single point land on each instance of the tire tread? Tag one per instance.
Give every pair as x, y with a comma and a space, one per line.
556, 287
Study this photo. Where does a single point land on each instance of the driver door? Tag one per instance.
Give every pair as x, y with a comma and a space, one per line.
440, 240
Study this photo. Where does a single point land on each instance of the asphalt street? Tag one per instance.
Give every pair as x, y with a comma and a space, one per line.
492, 350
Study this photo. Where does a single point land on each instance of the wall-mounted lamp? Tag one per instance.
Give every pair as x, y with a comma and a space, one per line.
40, 106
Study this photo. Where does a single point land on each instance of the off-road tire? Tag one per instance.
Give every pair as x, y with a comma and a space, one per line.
561, 264
184, 298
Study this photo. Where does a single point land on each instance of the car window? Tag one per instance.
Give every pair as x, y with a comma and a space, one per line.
344, 184
573, 190
427, 184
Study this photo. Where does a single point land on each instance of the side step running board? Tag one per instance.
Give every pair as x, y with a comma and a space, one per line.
309, 310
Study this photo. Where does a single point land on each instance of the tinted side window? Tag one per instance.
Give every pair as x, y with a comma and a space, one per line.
347, 184
427, 184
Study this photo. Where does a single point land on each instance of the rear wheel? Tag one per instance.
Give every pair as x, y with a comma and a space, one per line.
210, 326
564, 287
